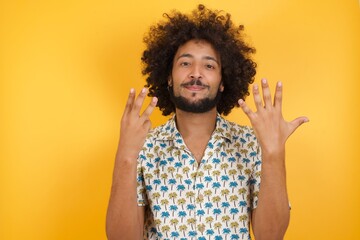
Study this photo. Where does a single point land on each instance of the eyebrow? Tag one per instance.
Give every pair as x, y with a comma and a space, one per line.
205, 57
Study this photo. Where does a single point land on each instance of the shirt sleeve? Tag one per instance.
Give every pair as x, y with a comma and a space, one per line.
140, 189
256, 177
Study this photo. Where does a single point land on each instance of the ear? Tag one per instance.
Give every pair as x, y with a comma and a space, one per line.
170, 82
221, 87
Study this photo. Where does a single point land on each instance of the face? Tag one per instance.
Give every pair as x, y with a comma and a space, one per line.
196, 77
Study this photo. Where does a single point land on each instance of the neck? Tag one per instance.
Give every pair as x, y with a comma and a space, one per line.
196, 124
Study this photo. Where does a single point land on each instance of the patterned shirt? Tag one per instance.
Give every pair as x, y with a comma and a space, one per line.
210, 200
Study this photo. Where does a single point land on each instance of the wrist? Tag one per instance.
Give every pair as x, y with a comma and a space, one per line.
274, 151
126, 160
276, 155
127, 154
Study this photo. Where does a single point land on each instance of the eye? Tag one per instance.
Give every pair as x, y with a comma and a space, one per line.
210, 66
184, 64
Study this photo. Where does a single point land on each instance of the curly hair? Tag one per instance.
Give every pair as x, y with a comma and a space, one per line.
215, 27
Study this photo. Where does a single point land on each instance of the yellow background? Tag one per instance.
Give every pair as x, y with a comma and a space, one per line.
66, 68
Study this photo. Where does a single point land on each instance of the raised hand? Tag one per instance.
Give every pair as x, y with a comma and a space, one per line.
268, 123
134, 125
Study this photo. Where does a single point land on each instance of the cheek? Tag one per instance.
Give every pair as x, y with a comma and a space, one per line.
176, 90
179, 72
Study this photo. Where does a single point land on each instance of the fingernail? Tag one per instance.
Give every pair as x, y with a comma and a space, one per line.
241, 102
143, 90
279, 84
263, 80
256, 87
132, 90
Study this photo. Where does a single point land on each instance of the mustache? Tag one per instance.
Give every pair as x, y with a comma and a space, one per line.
195, 81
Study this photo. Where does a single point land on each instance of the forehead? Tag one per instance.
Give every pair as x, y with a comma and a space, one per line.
197, 47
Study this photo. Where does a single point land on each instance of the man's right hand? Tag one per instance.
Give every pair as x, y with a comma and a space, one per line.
134, 126
125, 219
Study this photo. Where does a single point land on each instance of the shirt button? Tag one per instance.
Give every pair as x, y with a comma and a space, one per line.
201, 197
201, 228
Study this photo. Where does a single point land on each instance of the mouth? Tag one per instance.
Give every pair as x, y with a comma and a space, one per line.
194, 88
195, 85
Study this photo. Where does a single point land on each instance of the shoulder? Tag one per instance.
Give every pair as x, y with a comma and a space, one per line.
236, 129
162, 132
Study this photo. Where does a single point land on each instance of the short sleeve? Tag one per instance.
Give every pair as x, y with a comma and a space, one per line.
140, 189
256, 178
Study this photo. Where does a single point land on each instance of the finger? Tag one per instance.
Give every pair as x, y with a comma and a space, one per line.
130, 101
266, 93
278, 95
139, 102
150, 108
245, 108
298, 122
147, 124
257, 98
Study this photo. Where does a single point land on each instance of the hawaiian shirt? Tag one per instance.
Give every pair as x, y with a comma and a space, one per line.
210, 200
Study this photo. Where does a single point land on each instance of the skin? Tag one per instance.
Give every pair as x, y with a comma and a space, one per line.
271, 217
198, 60
125, 220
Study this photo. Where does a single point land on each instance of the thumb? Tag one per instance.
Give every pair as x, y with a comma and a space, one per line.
297, 122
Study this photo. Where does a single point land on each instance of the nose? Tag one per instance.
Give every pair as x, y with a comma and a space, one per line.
195, 72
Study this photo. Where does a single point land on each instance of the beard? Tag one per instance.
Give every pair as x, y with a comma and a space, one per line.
199, 106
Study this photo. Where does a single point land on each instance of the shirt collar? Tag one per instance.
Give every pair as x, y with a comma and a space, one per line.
169, 131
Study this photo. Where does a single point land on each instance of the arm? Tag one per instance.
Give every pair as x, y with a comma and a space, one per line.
271, 217
125, 219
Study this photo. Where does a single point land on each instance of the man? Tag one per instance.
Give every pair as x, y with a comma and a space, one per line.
198, 175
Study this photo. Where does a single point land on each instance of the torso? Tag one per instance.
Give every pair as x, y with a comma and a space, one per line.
188, 200
197, 147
